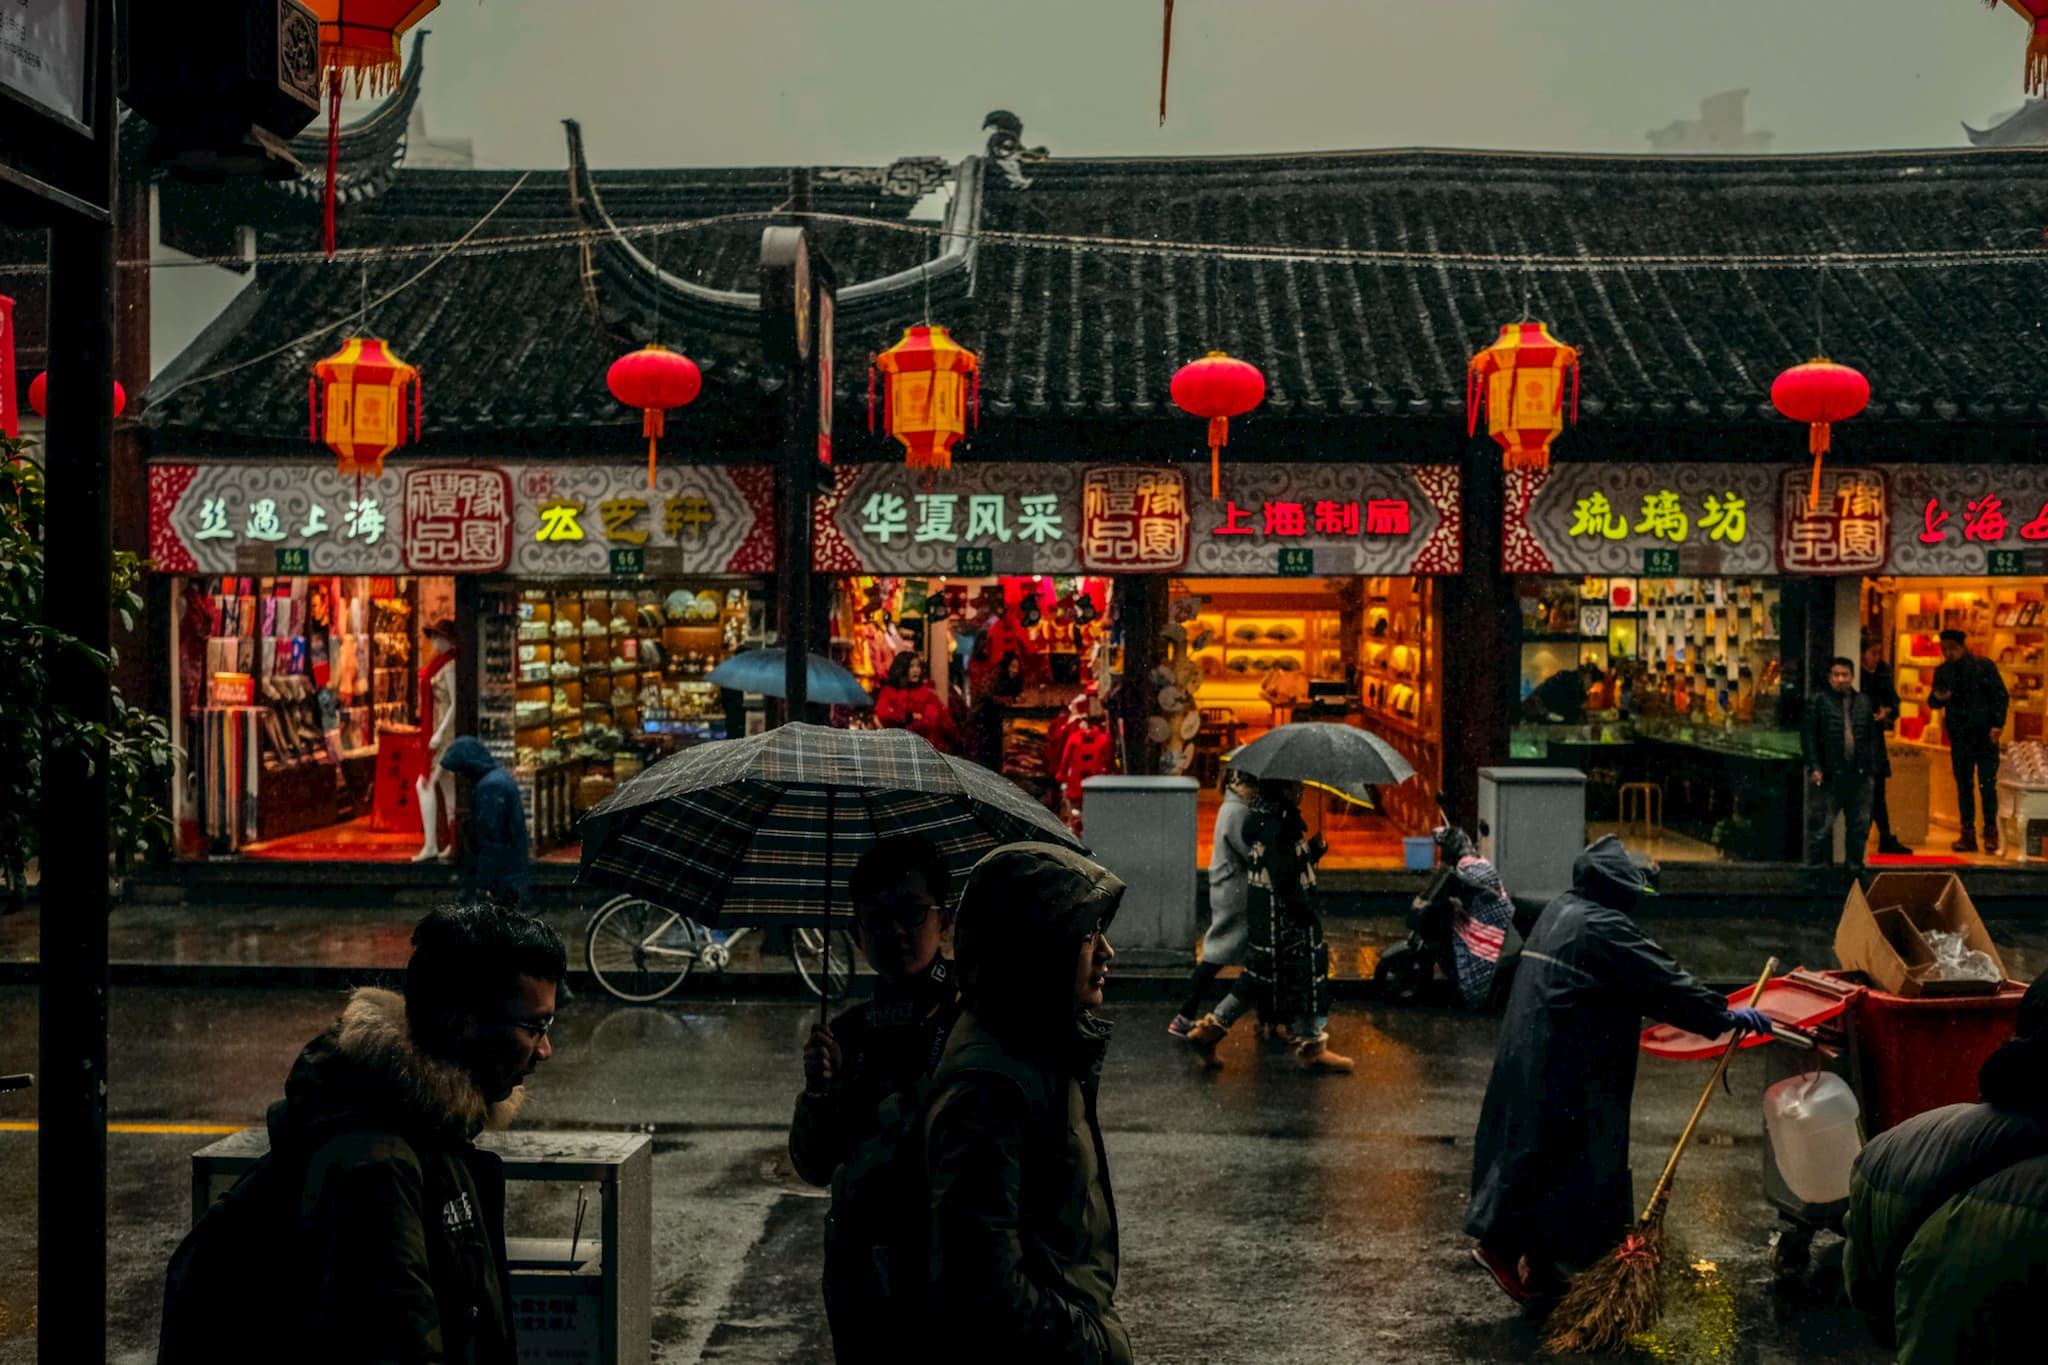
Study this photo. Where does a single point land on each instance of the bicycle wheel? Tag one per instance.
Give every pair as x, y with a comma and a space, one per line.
807, 955
639, 952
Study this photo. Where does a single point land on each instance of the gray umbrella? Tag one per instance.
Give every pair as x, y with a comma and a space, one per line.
1339, 758
762, 672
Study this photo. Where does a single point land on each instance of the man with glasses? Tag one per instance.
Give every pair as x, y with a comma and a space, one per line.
890, 1044
394, 1230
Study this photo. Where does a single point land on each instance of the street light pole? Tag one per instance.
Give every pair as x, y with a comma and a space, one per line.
71, 1178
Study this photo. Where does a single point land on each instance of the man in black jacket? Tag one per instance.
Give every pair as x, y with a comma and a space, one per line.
1973, 696
1883, 691
1844, 753
398, 1248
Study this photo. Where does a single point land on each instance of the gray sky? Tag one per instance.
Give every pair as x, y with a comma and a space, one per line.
737, 82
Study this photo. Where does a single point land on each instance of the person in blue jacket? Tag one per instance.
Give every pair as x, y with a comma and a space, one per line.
499, 864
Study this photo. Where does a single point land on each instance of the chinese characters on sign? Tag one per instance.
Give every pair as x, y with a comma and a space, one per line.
1134, 518
1848, 532
1723, 517
1382, 517
1984, 521
363, 519
458, 520
886, 516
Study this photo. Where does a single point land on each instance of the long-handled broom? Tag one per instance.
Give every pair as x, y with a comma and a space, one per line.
1622, 1294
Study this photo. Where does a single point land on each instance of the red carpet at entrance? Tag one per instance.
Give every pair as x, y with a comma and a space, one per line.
1916, 860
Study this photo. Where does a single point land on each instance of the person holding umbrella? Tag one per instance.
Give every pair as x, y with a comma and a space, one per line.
1287, 963
1550, 1176
885, 1047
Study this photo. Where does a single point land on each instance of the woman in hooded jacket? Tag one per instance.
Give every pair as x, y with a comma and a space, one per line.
1024, 1237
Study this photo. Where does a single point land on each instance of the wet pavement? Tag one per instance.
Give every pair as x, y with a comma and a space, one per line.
201, 944
1266, 1215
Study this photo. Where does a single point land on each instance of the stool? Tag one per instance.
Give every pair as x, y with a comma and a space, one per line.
1649, 808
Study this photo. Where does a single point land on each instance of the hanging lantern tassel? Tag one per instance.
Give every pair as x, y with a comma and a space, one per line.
1219, 437
2037, 58
652, 422
871, 392
1818, 438
333, 158
1165, 53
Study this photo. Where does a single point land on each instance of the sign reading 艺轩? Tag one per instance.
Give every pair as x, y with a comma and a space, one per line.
979, 519
530, 520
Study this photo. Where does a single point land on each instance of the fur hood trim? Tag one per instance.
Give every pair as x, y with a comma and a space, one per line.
374, 1034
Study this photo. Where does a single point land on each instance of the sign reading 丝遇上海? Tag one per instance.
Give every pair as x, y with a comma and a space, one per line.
1107, 518
529, 520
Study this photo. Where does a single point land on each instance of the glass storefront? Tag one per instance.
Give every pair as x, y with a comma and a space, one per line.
1666, 693
296, 696
1356, 651
2003, 620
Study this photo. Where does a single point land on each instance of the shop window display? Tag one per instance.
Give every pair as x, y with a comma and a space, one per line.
1666, 692
303, 693
2004, 621
1358, 651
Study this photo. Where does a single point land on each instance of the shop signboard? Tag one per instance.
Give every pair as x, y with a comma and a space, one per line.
1910, 520
43, 51
528, 519
1354, 518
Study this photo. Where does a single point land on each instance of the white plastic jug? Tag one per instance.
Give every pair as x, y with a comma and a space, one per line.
1812, 1123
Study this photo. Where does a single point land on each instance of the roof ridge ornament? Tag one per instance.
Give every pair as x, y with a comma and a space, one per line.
1007, 150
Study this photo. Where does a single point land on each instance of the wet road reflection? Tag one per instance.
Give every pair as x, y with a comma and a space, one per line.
1266, 1215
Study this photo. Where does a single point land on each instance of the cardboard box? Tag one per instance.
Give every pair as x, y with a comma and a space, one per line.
1880, 932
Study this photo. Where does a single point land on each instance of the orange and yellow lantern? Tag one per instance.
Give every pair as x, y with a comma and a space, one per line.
1521, 380
359, 40
929, 382
356, 404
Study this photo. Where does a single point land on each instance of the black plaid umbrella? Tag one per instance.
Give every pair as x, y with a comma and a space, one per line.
759, 827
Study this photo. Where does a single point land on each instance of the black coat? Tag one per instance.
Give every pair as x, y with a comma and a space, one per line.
1883, 691
1820, 736
1976, 703
1550, 1174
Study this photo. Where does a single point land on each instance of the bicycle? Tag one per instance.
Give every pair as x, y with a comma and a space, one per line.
640, 952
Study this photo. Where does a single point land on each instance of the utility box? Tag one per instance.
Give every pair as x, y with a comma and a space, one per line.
1143, 829
582, 1299
1532, 827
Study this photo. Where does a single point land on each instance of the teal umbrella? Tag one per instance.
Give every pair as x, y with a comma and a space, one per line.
761, 671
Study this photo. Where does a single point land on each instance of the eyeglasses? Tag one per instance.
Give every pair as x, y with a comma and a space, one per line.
905, 913
537, 1027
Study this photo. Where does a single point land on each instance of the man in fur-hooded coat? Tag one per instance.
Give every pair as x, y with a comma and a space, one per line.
402, 1215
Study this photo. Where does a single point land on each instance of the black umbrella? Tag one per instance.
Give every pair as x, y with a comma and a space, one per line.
763, 672
758, 826
1338, 758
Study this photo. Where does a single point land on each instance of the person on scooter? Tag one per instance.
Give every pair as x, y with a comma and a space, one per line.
1551, 1191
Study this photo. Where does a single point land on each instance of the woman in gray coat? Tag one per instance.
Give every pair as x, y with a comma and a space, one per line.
1229, 862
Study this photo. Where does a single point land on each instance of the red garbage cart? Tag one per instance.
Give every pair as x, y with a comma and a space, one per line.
1901, 1056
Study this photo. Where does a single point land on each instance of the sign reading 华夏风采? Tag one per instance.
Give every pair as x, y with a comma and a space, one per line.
1353, 519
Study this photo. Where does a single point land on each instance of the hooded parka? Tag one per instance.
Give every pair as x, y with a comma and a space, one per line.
404, 1216
1024, 1231
1550, 1175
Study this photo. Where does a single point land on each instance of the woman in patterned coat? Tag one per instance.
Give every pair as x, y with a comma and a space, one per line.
1286, 964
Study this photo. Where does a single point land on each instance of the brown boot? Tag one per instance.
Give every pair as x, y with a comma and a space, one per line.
1203, 1038
1313, 1055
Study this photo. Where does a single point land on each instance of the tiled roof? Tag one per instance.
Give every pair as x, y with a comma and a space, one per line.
514, 346
1072, 330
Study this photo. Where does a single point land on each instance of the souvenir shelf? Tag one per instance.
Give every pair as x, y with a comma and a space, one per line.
2007, 625
598, 668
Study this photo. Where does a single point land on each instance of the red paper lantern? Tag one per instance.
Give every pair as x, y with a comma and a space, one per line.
1818, 393
929, 384
1219, 388
358, 38
2035, 12
654, 379
364, 386
35, 395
